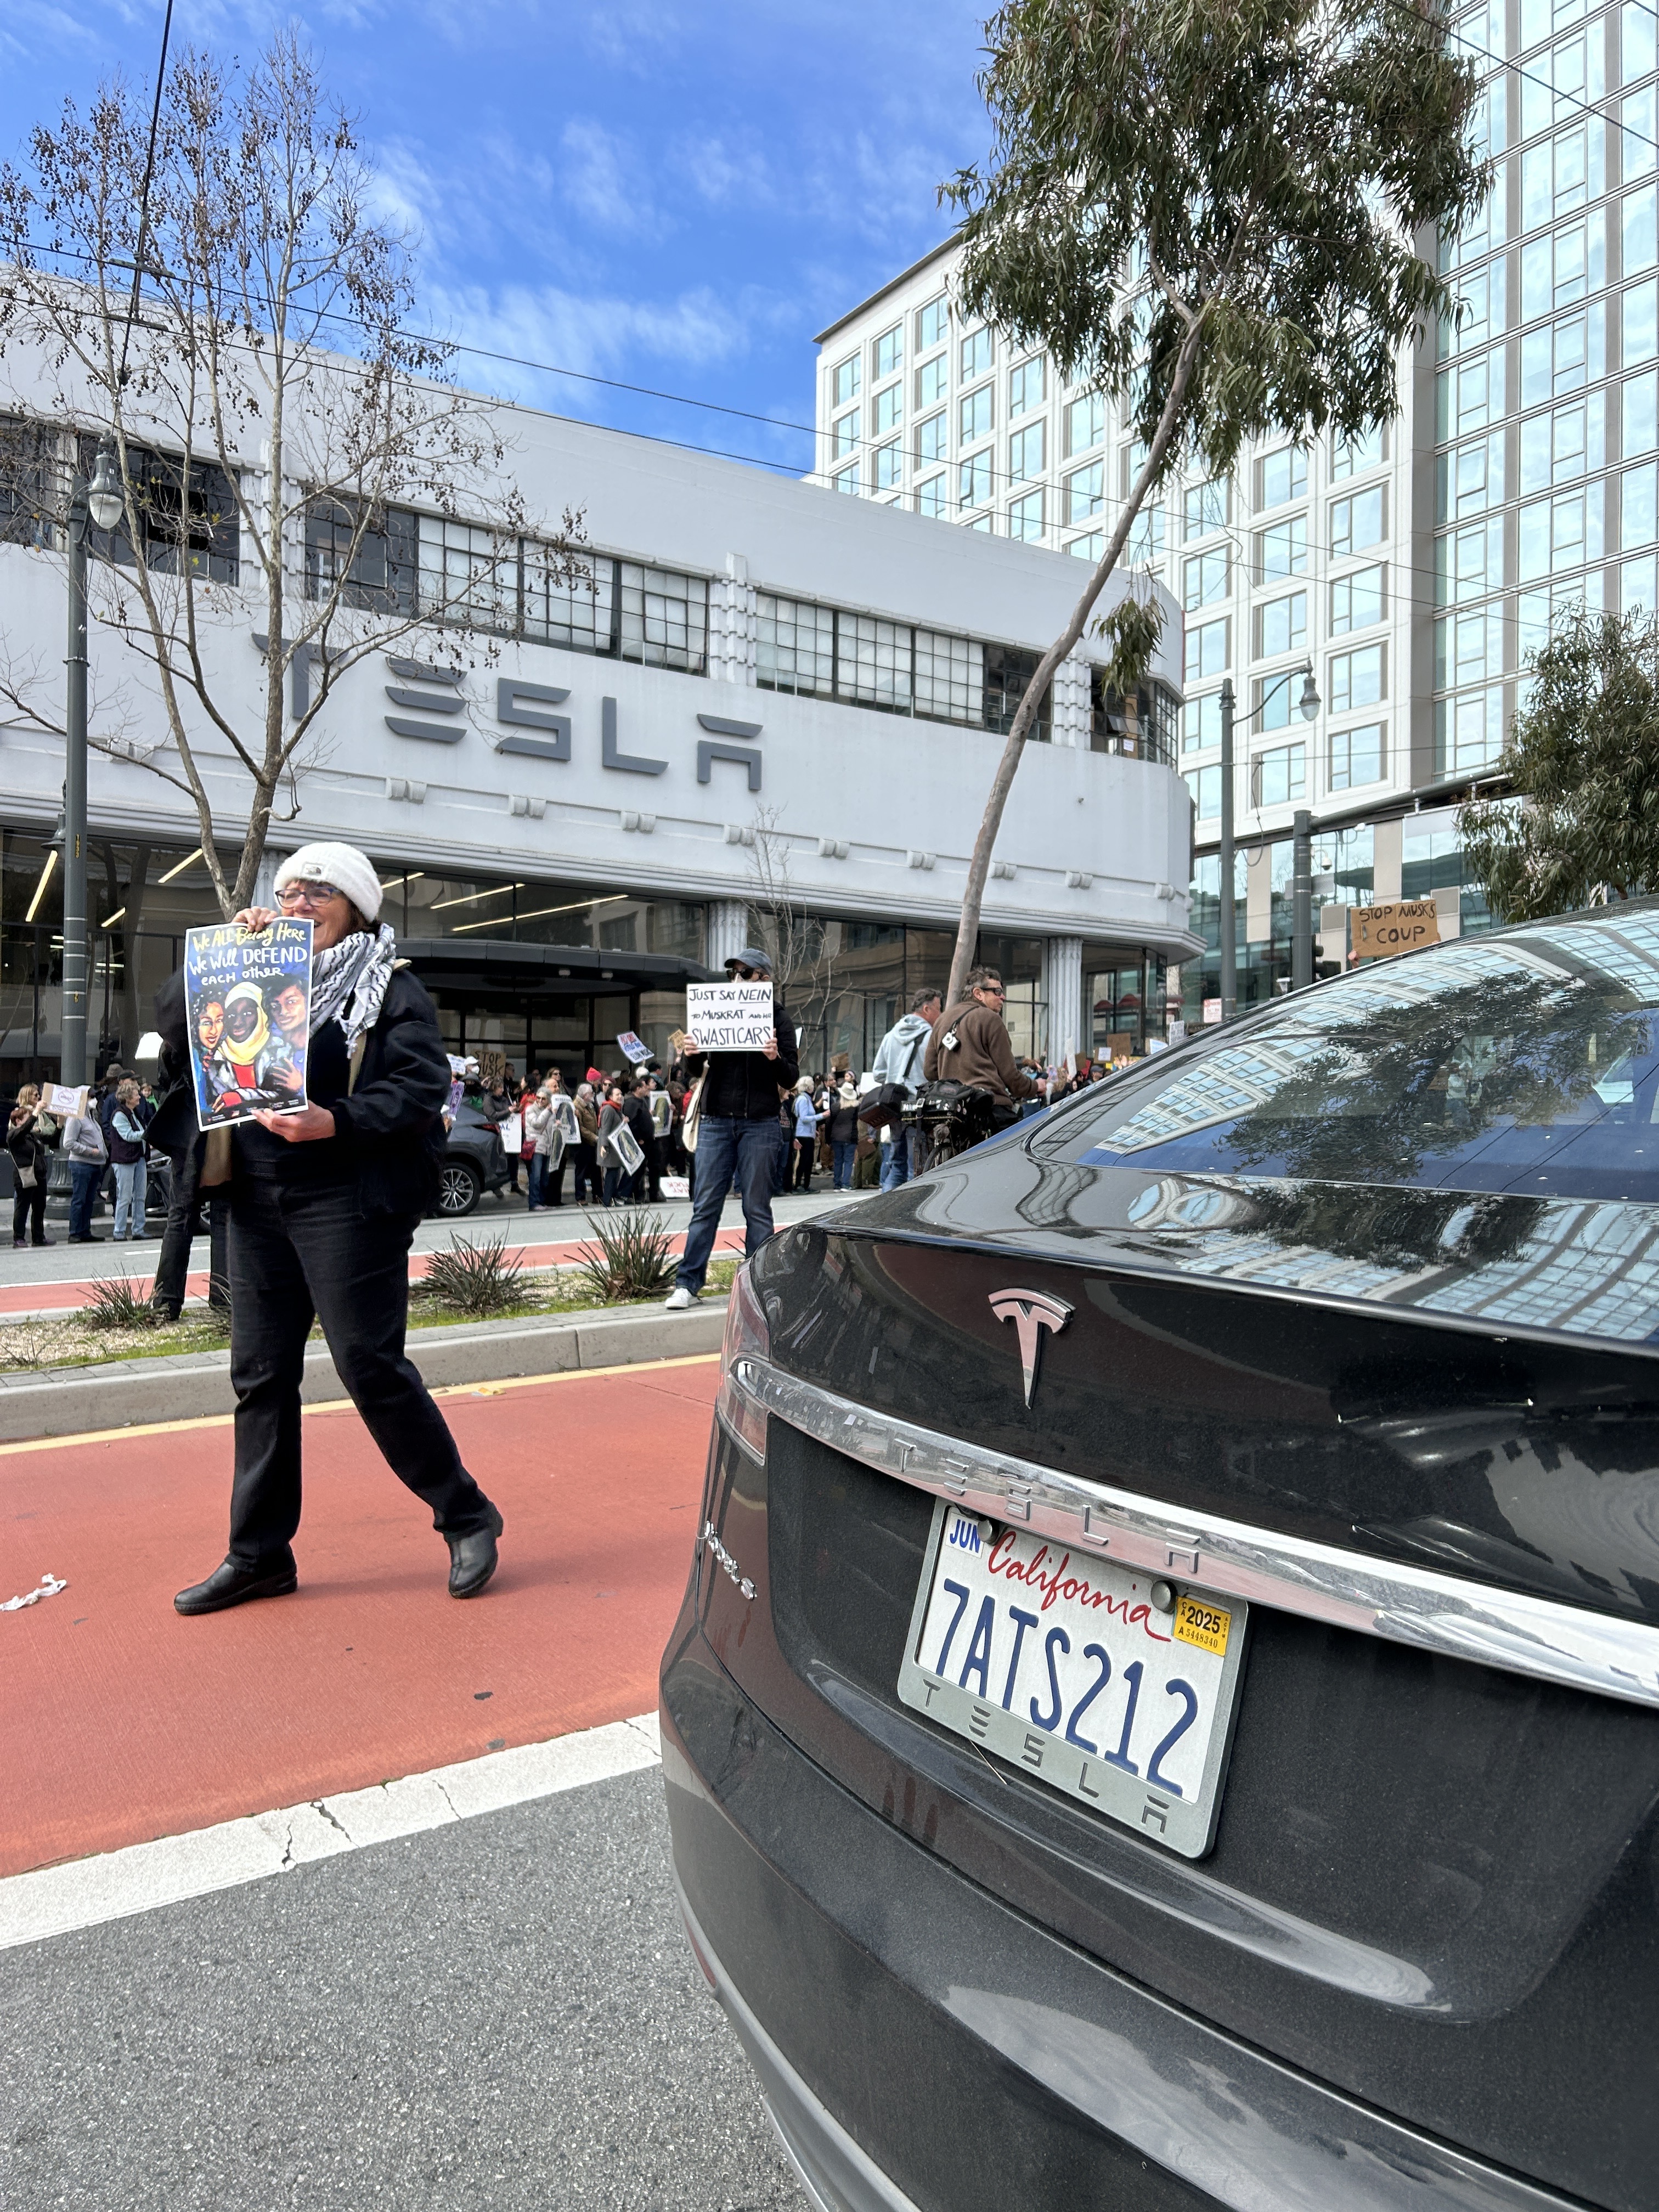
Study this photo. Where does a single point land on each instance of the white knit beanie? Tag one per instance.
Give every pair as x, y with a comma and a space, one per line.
343, 866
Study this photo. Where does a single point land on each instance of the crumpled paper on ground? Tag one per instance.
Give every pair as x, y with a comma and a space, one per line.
50, 1586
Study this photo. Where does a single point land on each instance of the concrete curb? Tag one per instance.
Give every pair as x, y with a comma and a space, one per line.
191, 1386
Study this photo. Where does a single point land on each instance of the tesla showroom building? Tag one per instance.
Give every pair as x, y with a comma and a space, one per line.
764, 711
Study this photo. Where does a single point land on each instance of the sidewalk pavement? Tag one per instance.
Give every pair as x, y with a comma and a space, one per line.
56, 1279
125, 1723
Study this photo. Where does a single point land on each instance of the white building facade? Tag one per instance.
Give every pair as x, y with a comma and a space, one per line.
763, 700
1418, 571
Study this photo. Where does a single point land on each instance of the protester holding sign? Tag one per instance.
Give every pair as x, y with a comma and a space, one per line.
325, 1199
736, 1120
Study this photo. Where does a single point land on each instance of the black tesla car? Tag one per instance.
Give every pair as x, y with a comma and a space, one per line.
1164, 1713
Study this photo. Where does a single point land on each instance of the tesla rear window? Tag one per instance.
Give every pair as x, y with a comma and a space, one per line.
1527, 1062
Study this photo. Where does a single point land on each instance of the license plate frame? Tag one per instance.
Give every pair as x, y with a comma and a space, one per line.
1182, 1811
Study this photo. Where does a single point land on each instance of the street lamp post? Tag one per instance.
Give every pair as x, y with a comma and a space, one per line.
102, 503
1302, 901
1308, 706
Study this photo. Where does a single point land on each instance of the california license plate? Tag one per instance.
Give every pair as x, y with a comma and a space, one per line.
1101, 1681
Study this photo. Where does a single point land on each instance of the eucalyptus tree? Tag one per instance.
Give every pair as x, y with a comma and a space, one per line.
1222, 215
225, 310
1579, 824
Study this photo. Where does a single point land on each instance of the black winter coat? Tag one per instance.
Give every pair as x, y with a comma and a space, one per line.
389, 1137
744, 1087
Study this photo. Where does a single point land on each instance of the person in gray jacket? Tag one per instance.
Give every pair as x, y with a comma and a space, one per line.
898, 1059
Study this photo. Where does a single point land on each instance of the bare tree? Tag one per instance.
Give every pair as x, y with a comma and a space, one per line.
272, 421
802, 948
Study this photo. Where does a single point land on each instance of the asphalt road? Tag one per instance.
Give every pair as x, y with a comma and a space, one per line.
502, 2013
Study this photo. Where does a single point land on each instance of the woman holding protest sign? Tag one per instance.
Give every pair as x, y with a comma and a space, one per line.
738, 1131
325, 1199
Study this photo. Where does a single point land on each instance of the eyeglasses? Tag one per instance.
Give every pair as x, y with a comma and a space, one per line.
996, 990
307, 894
746, 974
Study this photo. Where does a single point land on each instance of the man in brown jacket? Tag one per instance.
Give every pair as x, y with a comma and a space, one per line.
970, 1044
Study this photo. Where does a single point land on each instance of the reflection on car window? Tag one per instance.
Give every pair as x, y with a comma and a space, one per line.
1527, 1063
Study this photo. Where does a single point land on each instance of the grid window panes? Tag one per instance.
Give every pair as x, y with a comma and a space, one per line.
1085, 493
931, 323
932, 380
1205, 507
1469, 563
848, 482
1358, 600
1469, 396
468, 574
1358, 521
1566, 265
1025, 518
1281, 476
575, 612
1086, 423
1204, 578
1027, 453
1145, 549
1358, 756
974, 480
1468, 730
950, 678
890, 350
1282, 625
931, 496
1356, 679
1282, 549
794, 645
374, 570
890, 466
1554, 535
1027, 386
973, 414
873, 662
1636, 517
889, 408
977, 355
1562, 356
1469, 478
1352, 456
1638, 409
847, 375
1467, 649
1565, 442
846, 432
664, 617
1202, 730
934, 438
1280, 775
1206, 653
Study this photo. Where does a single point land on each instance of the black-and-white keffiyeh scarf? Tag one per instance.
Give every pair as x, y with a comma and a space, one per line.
349, 981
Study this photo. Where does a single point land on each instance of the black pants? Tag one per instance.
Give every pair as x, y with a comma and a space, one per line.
300, 1252
29, 1213
186, 1203
805, 1147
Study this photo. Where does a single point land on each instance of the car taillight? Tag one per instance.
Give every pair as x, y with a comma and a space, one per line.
748, 1344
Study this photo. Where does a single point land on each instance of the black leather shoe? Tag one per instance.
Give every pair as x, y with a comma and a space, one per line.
472, 1560
229, 1585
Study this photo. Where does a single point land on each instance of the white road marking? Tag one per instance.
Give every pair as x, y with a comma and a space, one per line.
54, 1900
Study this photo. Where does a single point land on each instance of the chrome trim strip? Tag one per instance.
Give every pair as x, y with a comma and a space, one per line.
1506, 1629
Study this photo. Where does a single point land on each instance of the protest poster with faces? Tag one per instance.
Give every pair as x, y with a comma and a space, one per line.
730, 1017
248, 1001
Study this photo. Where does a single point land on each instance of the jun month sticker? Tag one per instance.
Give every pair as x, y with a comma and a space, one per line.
247, 999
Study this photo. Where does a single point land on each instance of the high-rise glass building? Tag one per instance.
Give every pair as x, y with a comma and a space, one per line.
1418, 569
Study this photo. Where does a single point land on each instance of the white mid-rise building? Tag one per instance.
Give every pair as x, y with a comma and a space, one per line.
1417, 571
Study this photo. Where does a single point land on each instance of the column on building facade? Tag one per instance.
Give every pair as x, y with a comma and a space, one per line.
728, 931
732, 624
1062, 995
1073, 706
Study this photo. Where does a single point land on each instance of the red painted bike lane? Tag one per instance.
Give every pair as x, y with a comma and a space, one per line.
122, 1722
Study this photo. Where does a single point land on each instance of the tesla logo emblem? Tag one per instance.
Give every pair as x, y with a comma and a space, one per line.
1030, 1312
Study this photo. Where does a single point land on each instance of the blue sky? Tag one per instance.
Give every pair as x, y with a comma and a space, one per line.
665, 194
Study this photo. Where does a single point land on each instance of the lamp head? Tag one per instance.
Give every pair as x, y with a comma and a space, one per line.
1309, 702
106, 502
